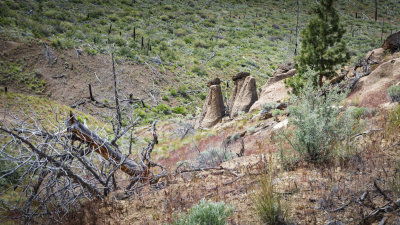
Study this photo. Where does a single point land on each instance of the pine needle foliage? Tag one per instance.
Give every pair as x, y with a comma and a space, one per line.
322, 47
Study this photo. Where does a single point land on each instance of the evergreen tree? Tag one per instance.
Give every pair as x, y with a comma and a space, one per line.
322, 47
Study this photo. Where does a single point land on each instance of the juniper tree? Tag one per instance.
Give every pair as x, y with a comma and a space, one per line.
322, 47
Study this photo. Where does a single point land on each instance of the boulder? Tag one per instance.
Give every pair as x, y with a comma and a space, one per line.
392, 43
240, 75
376, 55
243, 95
215, 81
274, 90
213, 109
371, 90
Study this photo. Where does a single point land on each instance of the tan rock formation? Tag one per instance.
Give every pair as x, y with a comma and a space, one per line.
243, 95
371, 90
274, 90
213, 109
376, 55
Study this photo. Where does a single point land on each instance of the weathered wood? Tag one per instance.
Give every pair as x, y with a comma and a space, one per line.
90, 93
102, 147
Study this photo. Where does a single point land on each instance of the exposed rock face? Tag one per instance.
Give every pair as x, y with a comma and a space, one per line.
371, 90
243, 95
376, 55
213, 108
215, 81
274, 90
240, 75
392, 43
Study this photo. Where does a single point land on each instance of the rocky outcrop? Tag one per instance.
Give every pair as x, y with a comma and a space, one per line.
213, 108
243, 95
215, 81
371, 90
392, 43
376, 55
274, 90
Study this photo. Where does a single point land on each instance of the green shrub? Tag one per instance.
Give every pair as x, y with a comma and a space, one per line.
297, 82
204, 213
182, 90
320, 129
179, 110
214, 157
56, 43
394, 93
267, 107
267, 202
7, 175
180, 32
173, 92
360, 112
276, 112
164, 18
163, 108
251, 130
165, 98
199, 71
202, 96
200, 44
394, 120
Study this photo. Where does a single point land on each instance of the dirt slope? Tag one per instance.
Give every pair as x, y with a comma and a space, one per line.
67, 74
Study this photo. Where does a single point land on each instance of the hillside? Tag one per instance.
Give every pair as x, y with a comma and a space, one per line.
194, 41
142, 112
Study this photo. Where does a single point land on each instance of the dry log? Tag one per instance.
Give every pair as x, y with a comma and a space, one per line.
102, 147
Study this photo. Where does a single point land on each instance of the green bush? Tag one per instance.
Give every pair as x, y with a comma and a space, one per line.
214, 157
182, 90
267, 107
297, 82
163, 108
180, 32
202, 96
200, 44
56, 43
179, 110
320, 128
7, 175
165, 98
213, 213
199, 71
394, 93
173, 92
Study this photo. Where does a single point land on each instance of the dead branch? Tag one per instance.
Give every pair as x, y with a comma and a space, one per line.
101, 146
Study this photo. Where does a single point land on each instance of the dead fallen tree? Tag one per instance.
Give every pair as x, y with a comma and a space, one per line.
57, 169
51, 168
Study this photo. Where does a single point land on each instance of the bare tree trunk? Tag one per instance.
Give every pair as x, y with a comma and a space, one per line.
376, 10
116, 97
297, 27
383, 26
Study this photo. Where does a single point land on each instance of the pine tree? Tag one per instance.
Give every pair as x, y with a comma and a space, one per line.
322, 47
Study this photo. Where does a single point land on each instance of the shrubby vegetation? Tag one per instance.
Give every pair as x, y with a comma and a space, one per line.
206, 213
267, 203
322, 129
394, 93
214, 157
